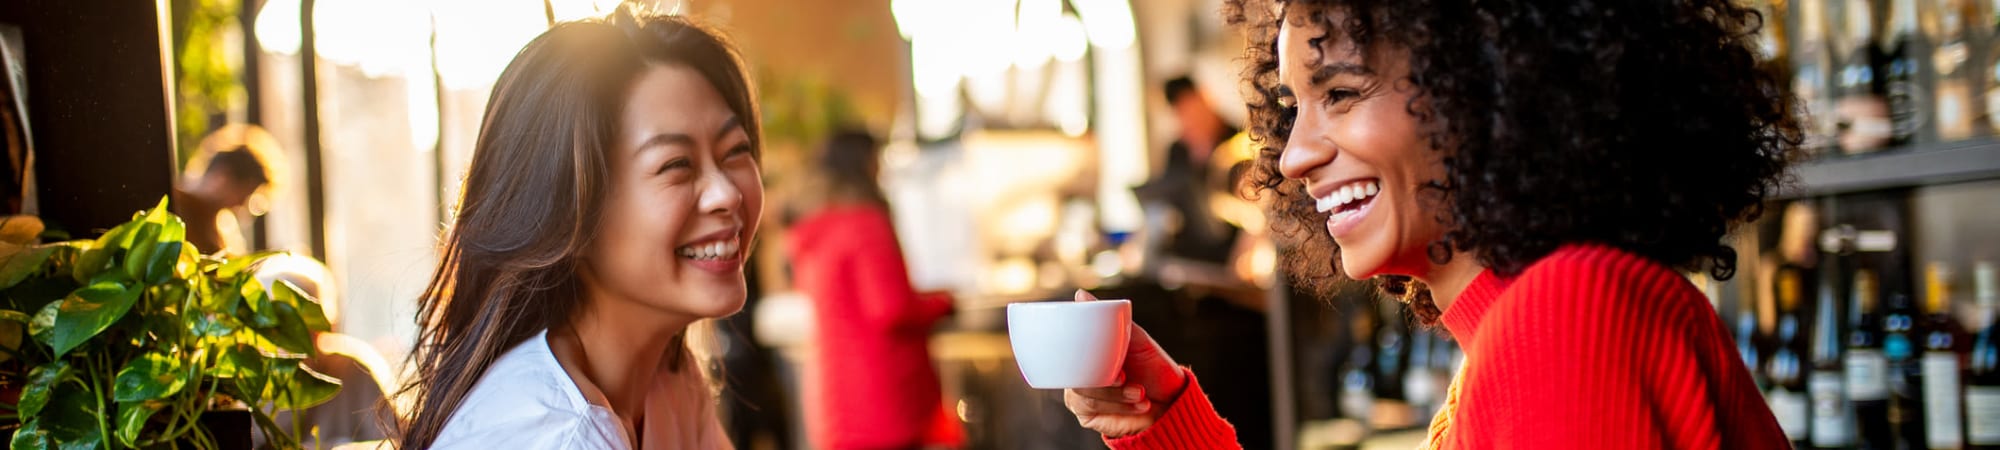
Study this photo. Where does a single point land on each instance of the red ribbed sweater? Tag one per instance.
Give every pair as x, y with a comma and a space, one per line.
1590, 347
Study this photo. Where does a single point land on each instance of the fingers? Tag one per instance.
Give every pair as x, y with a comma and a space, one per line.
1090, 403
1084, 296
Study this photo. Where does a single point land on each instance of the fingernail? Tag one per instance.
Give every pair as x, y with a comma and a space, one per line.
1132, 393
1143, 406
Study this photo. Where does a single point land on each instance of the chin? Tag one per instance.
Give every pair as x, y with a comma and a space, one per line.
719, 303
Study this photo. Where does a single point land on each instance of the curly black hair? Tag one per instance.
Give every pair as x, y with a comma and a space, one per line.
1648, 126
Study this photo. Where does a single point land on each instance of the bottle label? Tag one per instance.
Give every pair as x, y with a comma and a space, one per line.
1830, 423
1867, 375
1993, 107
1941, 421
1792, 410
1982, 415
1954, 110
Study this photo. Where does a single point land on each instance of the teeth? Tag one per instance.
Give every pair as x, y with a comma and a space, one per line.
1347, 194
712, 250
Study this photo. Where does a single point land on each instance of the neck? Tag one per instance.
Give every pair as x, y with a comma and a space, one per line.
1448, 280
620, 347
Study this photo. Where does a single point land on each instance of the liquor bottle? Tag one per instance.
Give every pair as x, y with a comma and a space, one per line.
1906, 75
1832, 415
1943, 420
1957, 106
1901, 341
1867, 368
1813, 77
1749, 340
1787, 395
1865, 125
1982, 390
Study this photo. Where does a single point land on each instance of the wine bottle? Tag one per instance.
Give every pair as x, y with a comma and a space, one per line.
1813, 77
1957, 116
1906, 75
1749, 342
1867, 368
1785, 369
1832, 415
1944, 425
1982, 390
1901, 345
1865, 124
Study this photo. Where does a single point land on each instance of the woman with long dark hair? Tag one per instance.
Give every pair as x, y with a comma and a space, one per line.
872, 385
613, 193
1534, 174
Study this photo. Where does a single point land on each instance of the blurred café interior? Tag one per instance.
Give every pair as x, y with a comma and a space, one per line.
1030, 148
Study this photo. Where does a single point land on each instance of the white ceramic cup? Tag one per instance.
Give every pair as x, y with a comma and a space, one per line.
1067, 344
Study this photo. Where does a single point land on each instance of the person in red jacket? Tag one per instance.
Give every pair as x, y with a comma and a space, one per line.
873, 386
1536, 174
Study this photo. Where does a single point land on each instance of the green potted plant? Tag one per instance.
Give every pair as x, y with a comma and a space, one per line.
127, 340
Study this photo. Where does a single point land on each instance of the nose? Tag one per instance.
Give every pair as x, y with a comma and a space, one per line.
718, 194
1307, 149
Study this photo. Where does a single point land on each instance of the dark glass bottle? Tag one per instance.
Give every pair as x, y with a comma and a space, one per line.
1865, 124
1982, 381
1813, 75
1867, 368
1785, 369
1944, 425
1906, 74
1832, 415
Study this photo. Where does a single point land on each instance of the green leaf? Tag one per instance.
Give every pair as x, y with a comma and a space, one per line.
30, 436
36, 292
213, 324
71, 419
290, 334
85, 313
22, 261
232, 269
13, 327
259, 303
150, 377
309, 310
139, 253
307, 388
132, 419
239, 361
42, 382
160, 263
97, 256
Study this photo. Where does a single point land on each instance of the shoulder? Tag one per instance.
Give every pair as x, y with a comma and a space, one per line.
524, 400
1587, 294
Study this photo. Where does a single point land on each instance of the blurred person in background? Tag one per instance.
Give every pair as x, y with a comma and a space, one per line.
614, 190
1534, 175
1223, 331
873, 385
230, 177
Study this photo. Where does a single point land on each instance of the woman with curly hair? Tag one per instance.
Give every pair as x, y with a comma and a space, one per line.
1532, 174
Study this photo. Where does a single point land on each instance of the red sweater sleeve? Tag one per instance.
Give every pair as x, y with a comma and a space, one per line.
883, 280
1190, 423
1607, 350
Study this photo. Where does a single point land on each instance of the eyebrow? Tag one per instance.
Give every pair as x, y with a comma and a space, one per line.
667, 139
1328, 71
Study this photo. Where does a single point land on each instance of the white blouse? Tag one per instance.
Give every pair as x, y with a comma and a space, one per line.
525, 400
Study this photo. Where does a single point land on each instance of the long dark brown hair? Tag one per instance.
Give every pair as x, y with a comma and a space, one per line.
533, 194
845, 172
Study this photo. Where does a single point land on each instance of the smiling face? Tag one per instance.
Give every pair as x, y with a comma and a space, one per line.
684, 200
1358, 149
